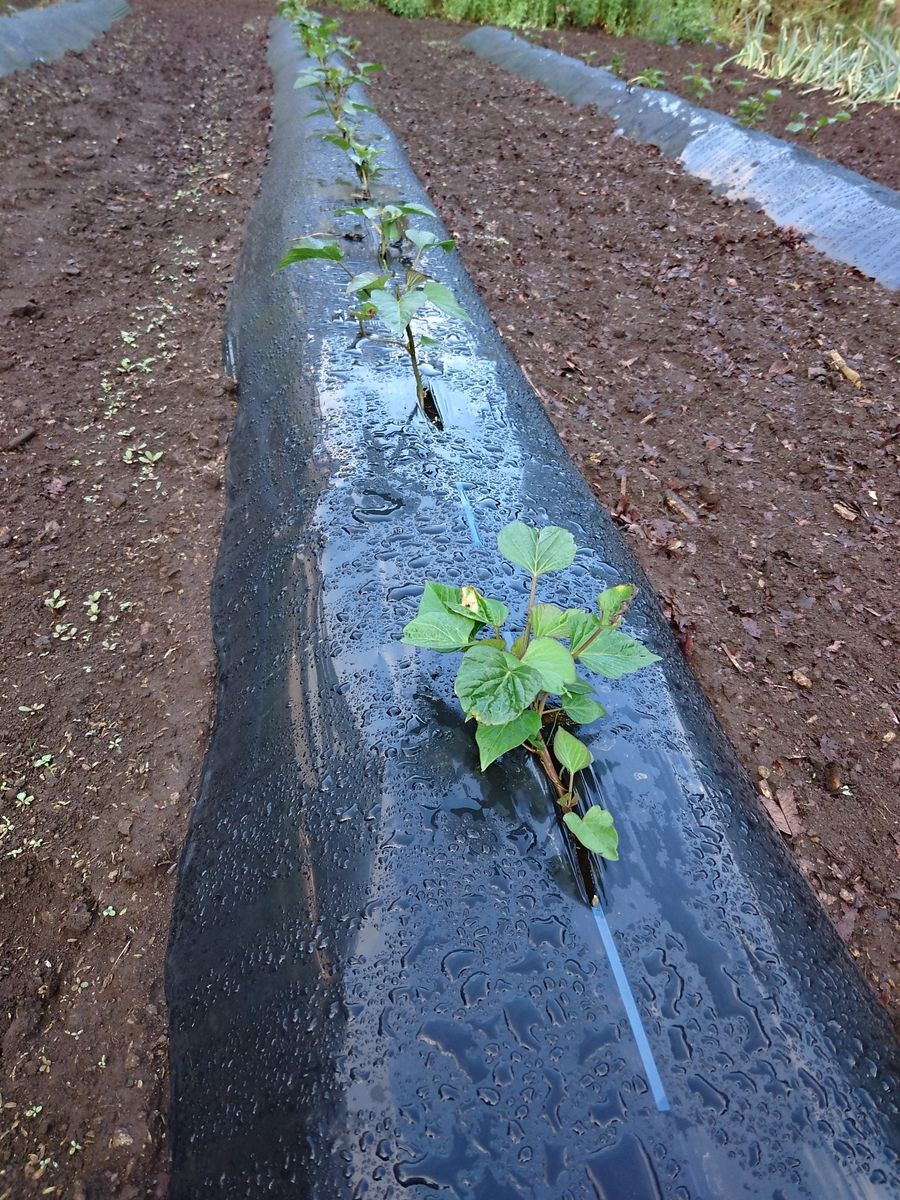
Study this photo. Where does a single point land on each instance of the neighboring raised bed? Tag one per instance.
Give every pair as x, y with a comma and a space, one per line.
45, 34
846, 216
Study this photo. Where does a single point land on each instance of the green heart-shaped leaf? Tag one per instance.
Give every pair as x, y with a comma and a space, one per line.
465, 602
494, 740
582, 708
573, 754
613, 601
552, 661
441, 297
436, 597
312, 247
360, 285
395, 313
470, 603
494, 686
581, 626
441, 631
537, 550
595, 830
423, 239
614, 654
549, 620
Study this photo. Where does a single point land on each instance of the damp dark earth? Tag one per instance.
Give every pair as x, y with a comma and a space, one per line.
729, 395
127, 173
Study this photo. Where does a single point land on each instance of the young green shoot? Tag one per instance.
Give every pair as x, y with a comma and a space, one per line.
801, 123
652, 77
390, 223
524, 689
362, 156
614, 66
697, 85
753, 110
393, 300
333, 83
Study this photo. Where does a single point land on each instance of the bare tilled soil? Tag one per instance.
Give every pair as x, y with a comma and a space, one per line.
690, 355
125, 176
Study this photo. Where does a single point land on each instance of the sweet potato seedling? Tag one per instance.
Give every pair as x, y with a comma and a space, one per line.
523, 690
317, 34
652, 77
363, 157
393, 300
333, 82
390, 223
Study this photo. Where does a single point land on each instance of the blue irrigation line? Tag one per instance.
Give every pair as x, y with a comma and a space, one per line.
470, 515
631, 1009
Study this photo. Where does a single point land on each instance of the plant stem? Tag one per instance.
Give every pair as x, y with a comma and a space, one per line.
526, 636
603, 627
414, 359
550, 768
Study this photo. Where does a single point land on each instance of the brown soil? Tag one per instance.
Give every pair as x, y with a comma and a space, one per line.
125, 176
682, 346
868, 143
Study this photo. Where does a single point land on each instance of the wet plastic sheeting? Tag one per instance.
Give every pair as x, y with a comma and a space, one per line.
846, 216
382, 979
45, 34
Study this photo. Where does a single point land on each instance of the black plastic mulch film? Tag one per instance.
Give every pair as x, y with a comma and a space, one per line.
382, 978
45, 34
848, 217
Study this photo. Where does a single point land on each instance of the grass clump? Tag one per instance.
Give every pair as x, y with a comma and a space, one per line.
859, 62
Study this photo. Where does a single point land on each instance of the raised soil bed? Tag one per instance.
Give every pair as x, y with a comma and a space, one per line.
681, 345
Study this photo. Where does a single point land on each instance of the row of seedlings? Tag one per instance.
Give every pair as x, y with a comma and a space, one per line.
394, 293
522, 694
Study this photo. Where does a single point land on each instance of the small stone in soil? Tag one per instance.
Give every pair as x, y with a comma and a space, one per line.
28, 309
20, 439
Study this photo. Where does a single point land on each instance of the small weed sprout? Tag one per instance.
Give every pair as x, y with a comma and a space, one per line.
523, 690
800, 123
753, 110
697, 85
92, 604
614, 66
652, 77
